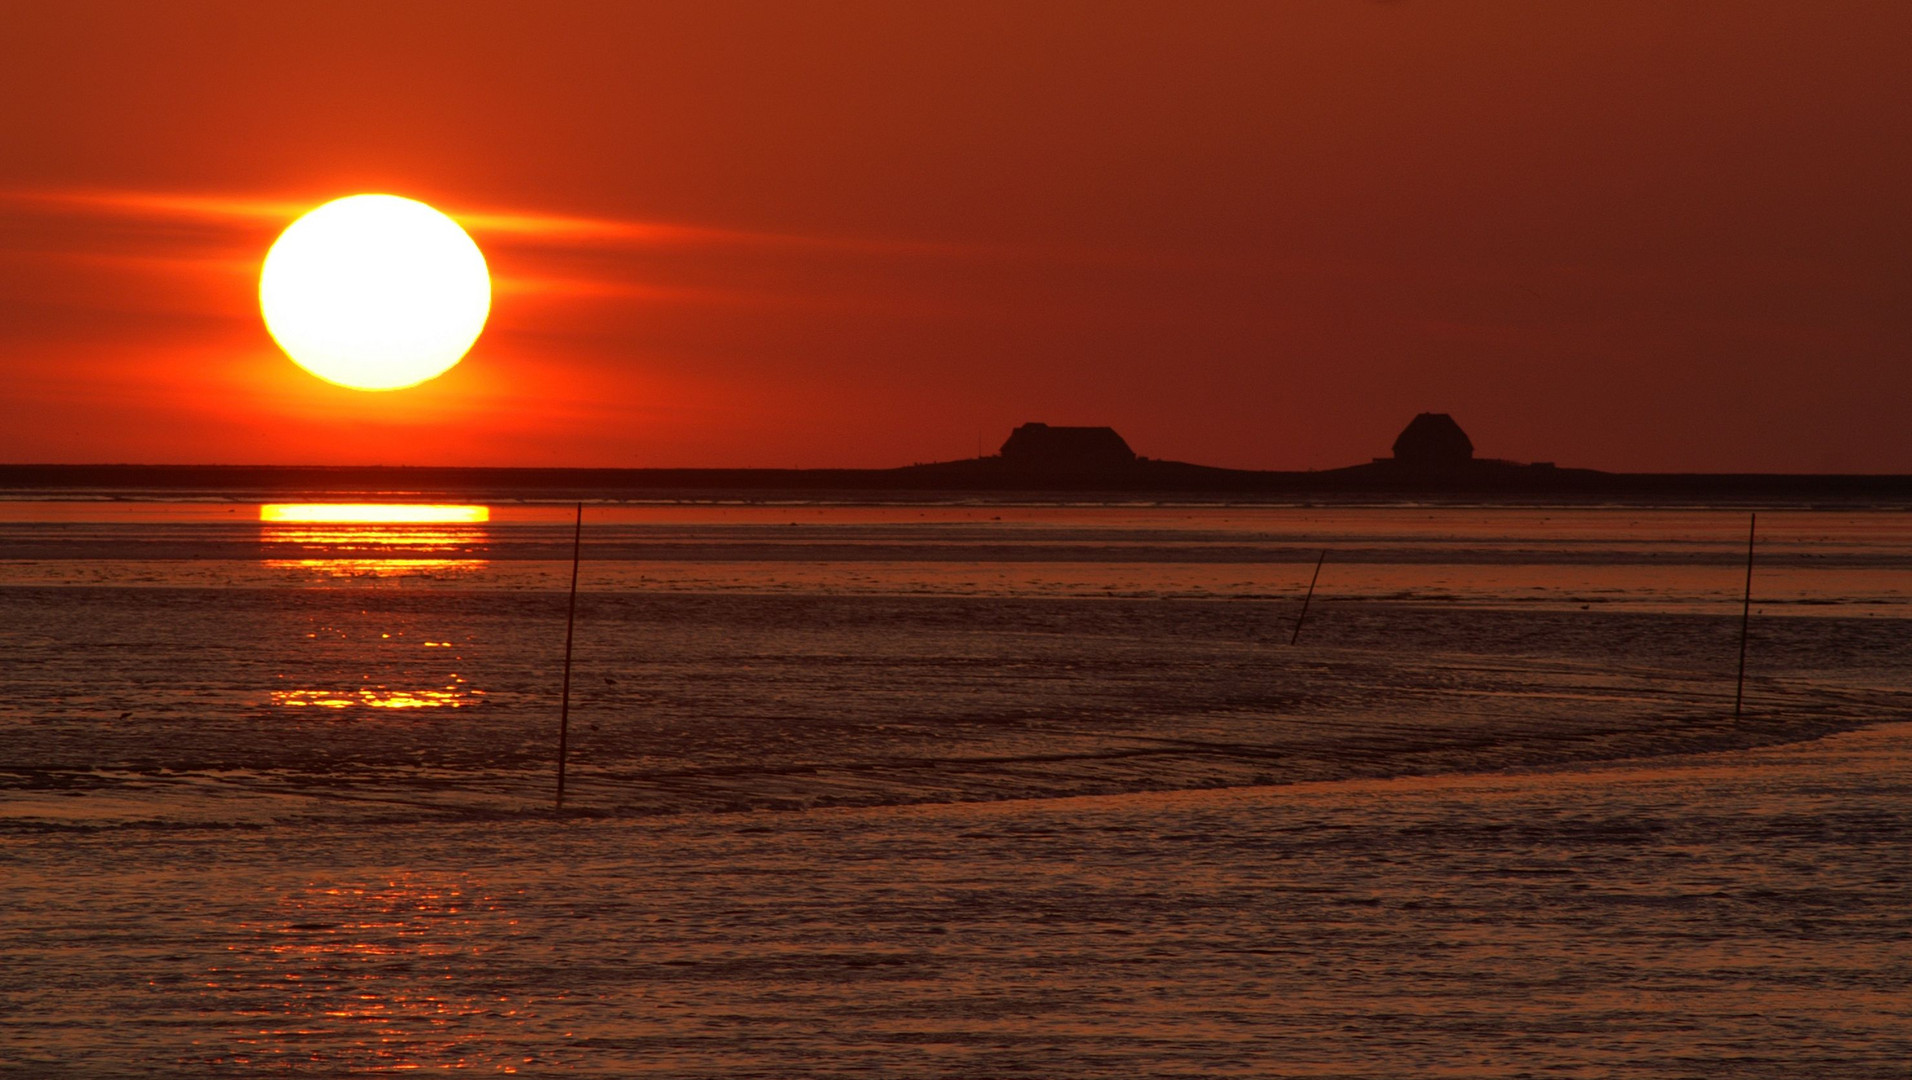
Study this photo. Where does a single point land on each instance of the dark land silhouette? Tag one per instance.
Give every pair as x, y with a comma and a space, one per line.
1433, 440
1040, 447
1433, 457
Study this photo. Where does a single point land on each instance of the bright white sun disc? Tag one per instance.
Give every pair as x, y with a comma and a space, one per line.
375, 292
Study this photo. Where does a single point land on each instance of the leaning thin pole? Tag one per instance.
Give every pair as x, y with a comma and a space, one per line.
1745, 618
1299, 619
570, 622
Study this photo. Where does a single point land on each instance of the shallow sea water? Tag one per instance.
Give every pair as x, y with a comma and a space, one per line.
977, 790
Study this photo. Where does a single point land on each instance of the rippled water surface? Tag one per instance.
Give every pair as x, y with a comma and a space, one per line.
955, 790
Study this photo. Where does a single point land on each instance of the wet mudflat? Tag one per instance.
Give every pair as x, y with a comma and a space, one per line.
973, 791
1740, 913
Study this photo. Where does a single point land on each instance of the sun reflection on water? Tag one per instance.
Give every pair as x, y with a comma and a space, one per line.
370, 669
369, 975
375, 513
332, 541
453, 695
357, 540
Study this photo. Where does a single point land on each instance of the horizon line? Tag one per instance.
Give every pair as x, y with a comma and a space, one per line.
1536, 467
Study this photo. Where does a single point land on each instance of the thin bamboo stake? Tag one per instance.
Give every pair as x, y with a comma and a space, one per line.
1299, 619
1745, 618
570, 623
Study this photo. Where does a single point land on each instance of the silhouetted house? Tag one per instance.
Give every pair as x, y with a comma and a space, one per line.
1433, 454
1041, 448
1433, 441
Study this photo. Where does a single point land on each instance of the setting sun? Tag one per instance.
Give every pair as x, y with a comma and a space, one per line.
375, 292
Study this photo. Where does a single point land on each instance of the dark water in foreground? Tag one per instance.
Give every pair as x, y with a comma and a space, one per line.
985, 791
1741, 914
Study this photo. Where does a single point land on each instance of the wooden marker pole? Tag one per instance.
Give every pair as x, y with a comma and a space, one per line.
1299, 619
1745, 618
570, 623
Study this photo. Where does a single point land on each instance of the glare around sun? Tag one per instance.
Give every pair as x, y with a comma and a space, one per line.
375, 292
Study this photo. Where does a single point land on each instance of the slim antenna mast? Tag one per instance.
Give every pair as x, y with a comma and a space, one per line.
1745, 618
570, 623
1301, 618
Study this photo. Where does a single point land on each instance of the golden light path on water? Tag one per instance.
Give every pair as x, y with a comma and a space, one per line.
375, 513
452, 695
378, 540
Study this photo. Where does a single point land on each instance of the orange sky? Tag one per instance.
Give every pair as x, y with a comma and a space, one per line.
1632, 236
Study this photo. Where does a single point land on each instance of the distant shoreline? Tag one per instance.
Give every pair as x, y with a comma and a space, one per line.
975, 477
